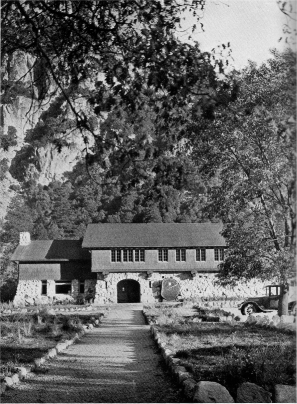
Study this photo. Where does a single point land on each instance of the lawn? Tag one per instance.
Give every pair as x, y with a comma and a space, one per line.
26, 337
227, 352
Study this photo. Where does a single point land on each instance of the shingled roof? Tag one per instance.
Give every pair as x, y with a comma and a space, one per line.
51, 250
109, 235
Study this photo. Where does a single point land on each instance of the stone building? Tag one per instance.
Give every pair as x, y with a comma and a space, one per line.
127, 262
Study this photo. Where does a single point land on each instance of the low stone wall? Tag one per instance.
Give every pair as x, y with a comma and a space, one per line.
199, 286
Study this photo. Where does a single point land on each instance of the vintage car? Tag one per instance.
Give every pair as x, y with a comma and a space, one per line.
265, 303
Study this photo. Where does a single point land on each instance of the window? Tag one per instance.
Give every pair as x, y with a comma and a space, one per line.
44, 287
163, 254
219, 254
180, 254
63, 287
82, 287
139, 255
116, 255
127, 255
142, 256
200, 254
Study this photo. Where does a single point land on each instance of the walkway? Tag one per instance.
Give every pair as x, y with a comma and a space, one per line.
115, 363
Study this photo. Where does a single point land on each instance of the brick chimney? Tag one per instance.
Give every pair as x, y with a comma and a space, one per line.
25, 238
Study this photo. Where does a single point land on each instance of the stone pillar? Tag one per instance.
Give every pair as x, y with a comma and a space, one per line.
100, 290
74, 288
51, 288
30, 289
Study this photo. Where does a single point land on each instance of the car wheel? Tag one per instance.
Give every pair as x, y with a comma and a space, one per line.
248, 309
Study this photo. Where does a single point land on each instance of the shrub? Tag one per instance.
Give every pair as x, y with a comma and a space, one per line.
263, 365
71, 324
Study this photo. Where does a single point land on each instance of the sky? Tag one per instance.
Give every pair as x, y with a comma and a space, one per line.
251, 26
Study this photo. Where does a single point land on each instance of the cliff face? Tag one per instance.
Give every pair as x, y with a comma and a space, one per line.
21, 111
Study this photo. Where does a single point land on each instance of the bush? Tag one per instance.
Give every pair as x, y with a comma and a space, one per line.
263, 365
70, 324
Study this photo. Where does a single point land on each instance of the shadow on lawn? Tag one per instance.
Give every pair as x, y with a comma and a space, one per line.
23, 354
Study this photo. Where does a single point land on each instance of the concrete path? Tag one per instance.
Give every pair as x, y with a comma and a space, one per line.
115, 363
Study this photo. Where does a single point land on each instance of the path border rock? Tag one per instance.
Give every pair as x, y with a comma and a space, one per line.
180, 374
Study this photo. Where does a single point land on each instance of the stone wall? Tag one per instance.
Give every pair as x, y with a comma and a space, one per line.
197, 286
105, 287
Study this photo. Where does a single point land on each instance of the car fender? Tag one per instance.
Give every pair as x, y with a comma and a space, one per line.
259, 307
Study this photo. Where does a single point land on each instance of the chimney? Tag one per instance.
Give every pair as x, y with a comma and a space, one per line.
25, 238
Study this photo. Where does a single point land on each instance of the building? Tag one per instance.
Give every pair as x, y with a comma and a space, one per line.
125, 262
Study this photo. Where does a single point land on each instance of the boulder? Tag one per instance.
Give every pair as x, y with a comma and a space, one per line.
61, 346
189, 386
287, 319
251, 320
252, 393
2, 387
52, 353
211, 392
15, 378
8, 380
22, 372
285, 394
37, 362
276, 319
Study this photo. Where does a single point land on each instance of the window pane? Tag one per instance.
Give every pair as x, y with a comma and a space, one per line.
113, 256
222, 254
160, 255
118, 255
203, 254
142, 255
82, 287
216, 254
136, 255
63, 287
198, 254
125, 255
177, 255
131, 255
183, 254
165, 255
44, 287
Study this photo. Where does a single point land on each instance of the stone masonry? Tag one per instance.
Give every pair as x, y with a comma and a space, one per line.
201, 285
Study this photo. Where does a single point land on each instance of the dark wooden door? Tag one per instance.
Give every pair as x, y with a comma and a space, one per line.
128, 291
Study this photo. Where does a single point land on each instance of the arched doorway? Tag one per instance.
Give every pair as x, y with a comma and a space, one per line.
128, 291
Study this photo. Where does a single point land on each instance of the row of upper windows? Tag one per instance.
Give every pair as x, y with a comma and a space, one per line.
127, 255
130, 255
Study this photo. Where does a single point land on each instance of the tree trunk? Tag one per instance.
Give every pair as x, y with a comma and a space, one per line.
284, 300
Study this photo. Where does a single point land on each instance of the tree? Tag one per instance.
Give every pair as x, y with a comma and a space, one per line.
132, 44
249, 149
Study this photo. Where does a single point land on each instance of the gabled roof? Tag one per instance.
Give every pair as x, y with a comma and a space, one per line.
109, 235
51, 250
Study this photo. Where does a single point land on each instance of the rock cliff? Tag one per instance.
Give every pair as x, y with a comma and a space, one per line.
23, 107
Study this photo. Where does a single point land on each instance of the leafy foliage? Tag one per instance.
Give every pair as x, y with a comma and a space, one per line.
248, 151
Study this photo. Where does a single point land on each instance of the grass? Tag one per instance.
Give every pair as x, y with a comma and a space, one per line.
227, 352
25, 337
